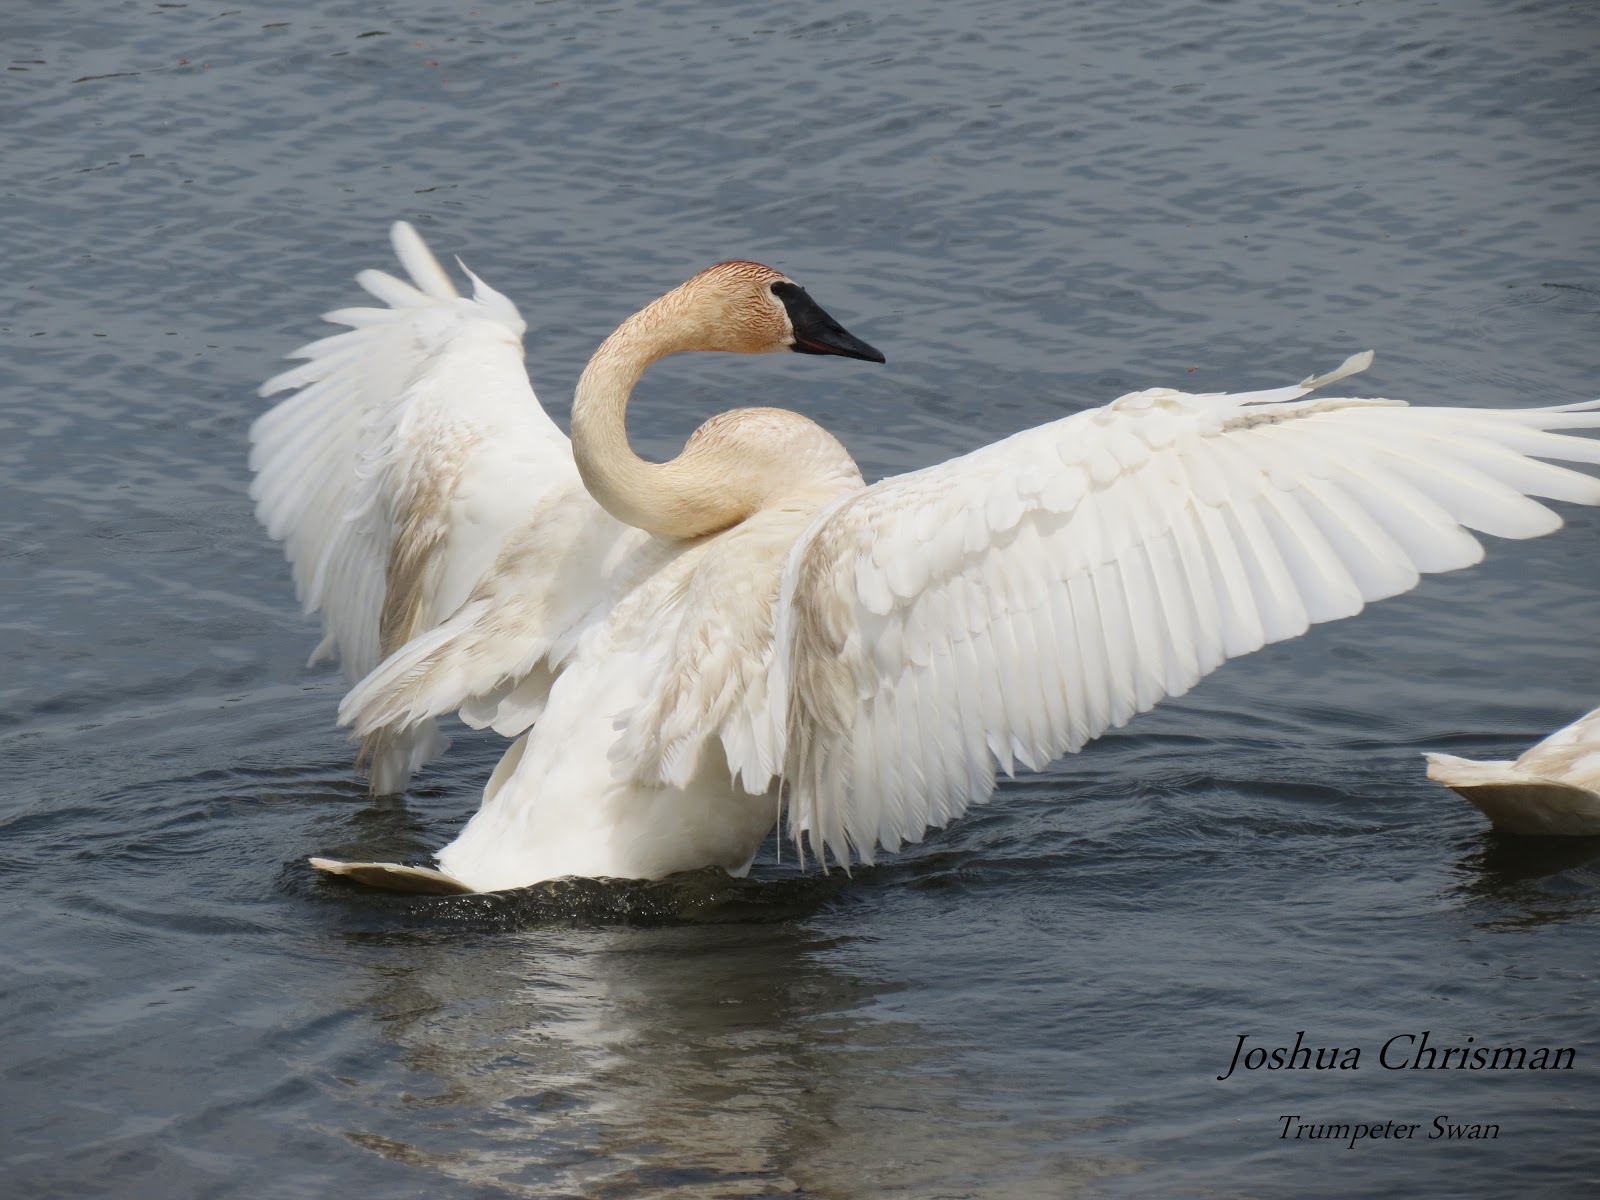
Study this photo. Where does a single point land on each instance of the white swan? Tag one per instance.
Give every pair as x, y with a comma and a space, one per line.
670, 643
1551, 788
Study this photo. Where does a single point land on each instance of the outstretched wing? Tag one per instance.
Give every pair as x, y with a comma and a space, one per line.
496, 656
1006, 607
412, 455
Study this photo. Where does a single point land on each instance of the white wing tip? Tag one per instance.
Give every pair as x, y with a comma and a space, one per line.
1353, 365
497, 303
420, 263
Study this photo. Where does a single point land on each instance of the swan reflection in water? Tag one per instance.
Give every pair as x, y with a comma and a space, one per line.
688, 1061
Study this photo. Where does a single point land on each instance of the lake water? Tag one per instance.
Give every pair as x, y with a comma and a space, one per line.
1030, 208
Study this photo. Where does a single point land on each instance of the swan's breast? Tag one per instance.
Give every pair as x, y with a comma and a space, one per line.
702, 631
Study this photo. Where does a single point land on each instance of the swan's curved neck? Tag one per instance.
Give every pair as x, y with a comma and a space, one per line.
696, 493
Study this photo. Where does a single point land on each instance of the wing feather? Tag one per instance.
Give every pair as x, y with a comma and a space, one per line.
410, 455
1006, 606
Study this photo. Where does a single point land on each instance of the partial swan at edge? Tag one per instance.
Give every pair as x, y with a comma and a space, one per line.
1550, 788
679, 649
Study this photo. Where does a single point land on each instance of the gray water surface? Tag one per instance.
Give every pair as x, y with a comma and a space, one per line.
1030, 208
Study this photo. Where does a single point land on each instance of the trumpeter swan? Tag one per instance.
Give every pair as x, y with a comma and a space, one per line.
1552, 787
680, 648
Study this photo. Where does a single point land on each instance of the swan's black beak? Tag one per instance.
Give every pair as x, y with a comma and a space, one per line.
815, 332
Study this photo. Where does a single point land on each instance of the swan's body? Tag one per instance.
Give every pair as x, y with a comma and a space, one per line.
1551, 788
670, 642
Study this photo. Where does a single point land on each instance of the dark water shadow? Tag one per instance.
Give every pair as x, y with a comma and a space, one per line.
706, 897
1515, 881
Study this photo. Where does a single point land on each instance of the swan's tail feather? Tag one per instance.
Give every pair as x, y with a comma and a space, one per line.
1516, 801
1468, 772
394, 877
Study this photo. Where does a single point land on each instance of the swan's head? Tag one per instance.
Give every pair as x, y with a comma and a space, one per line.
751, 309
